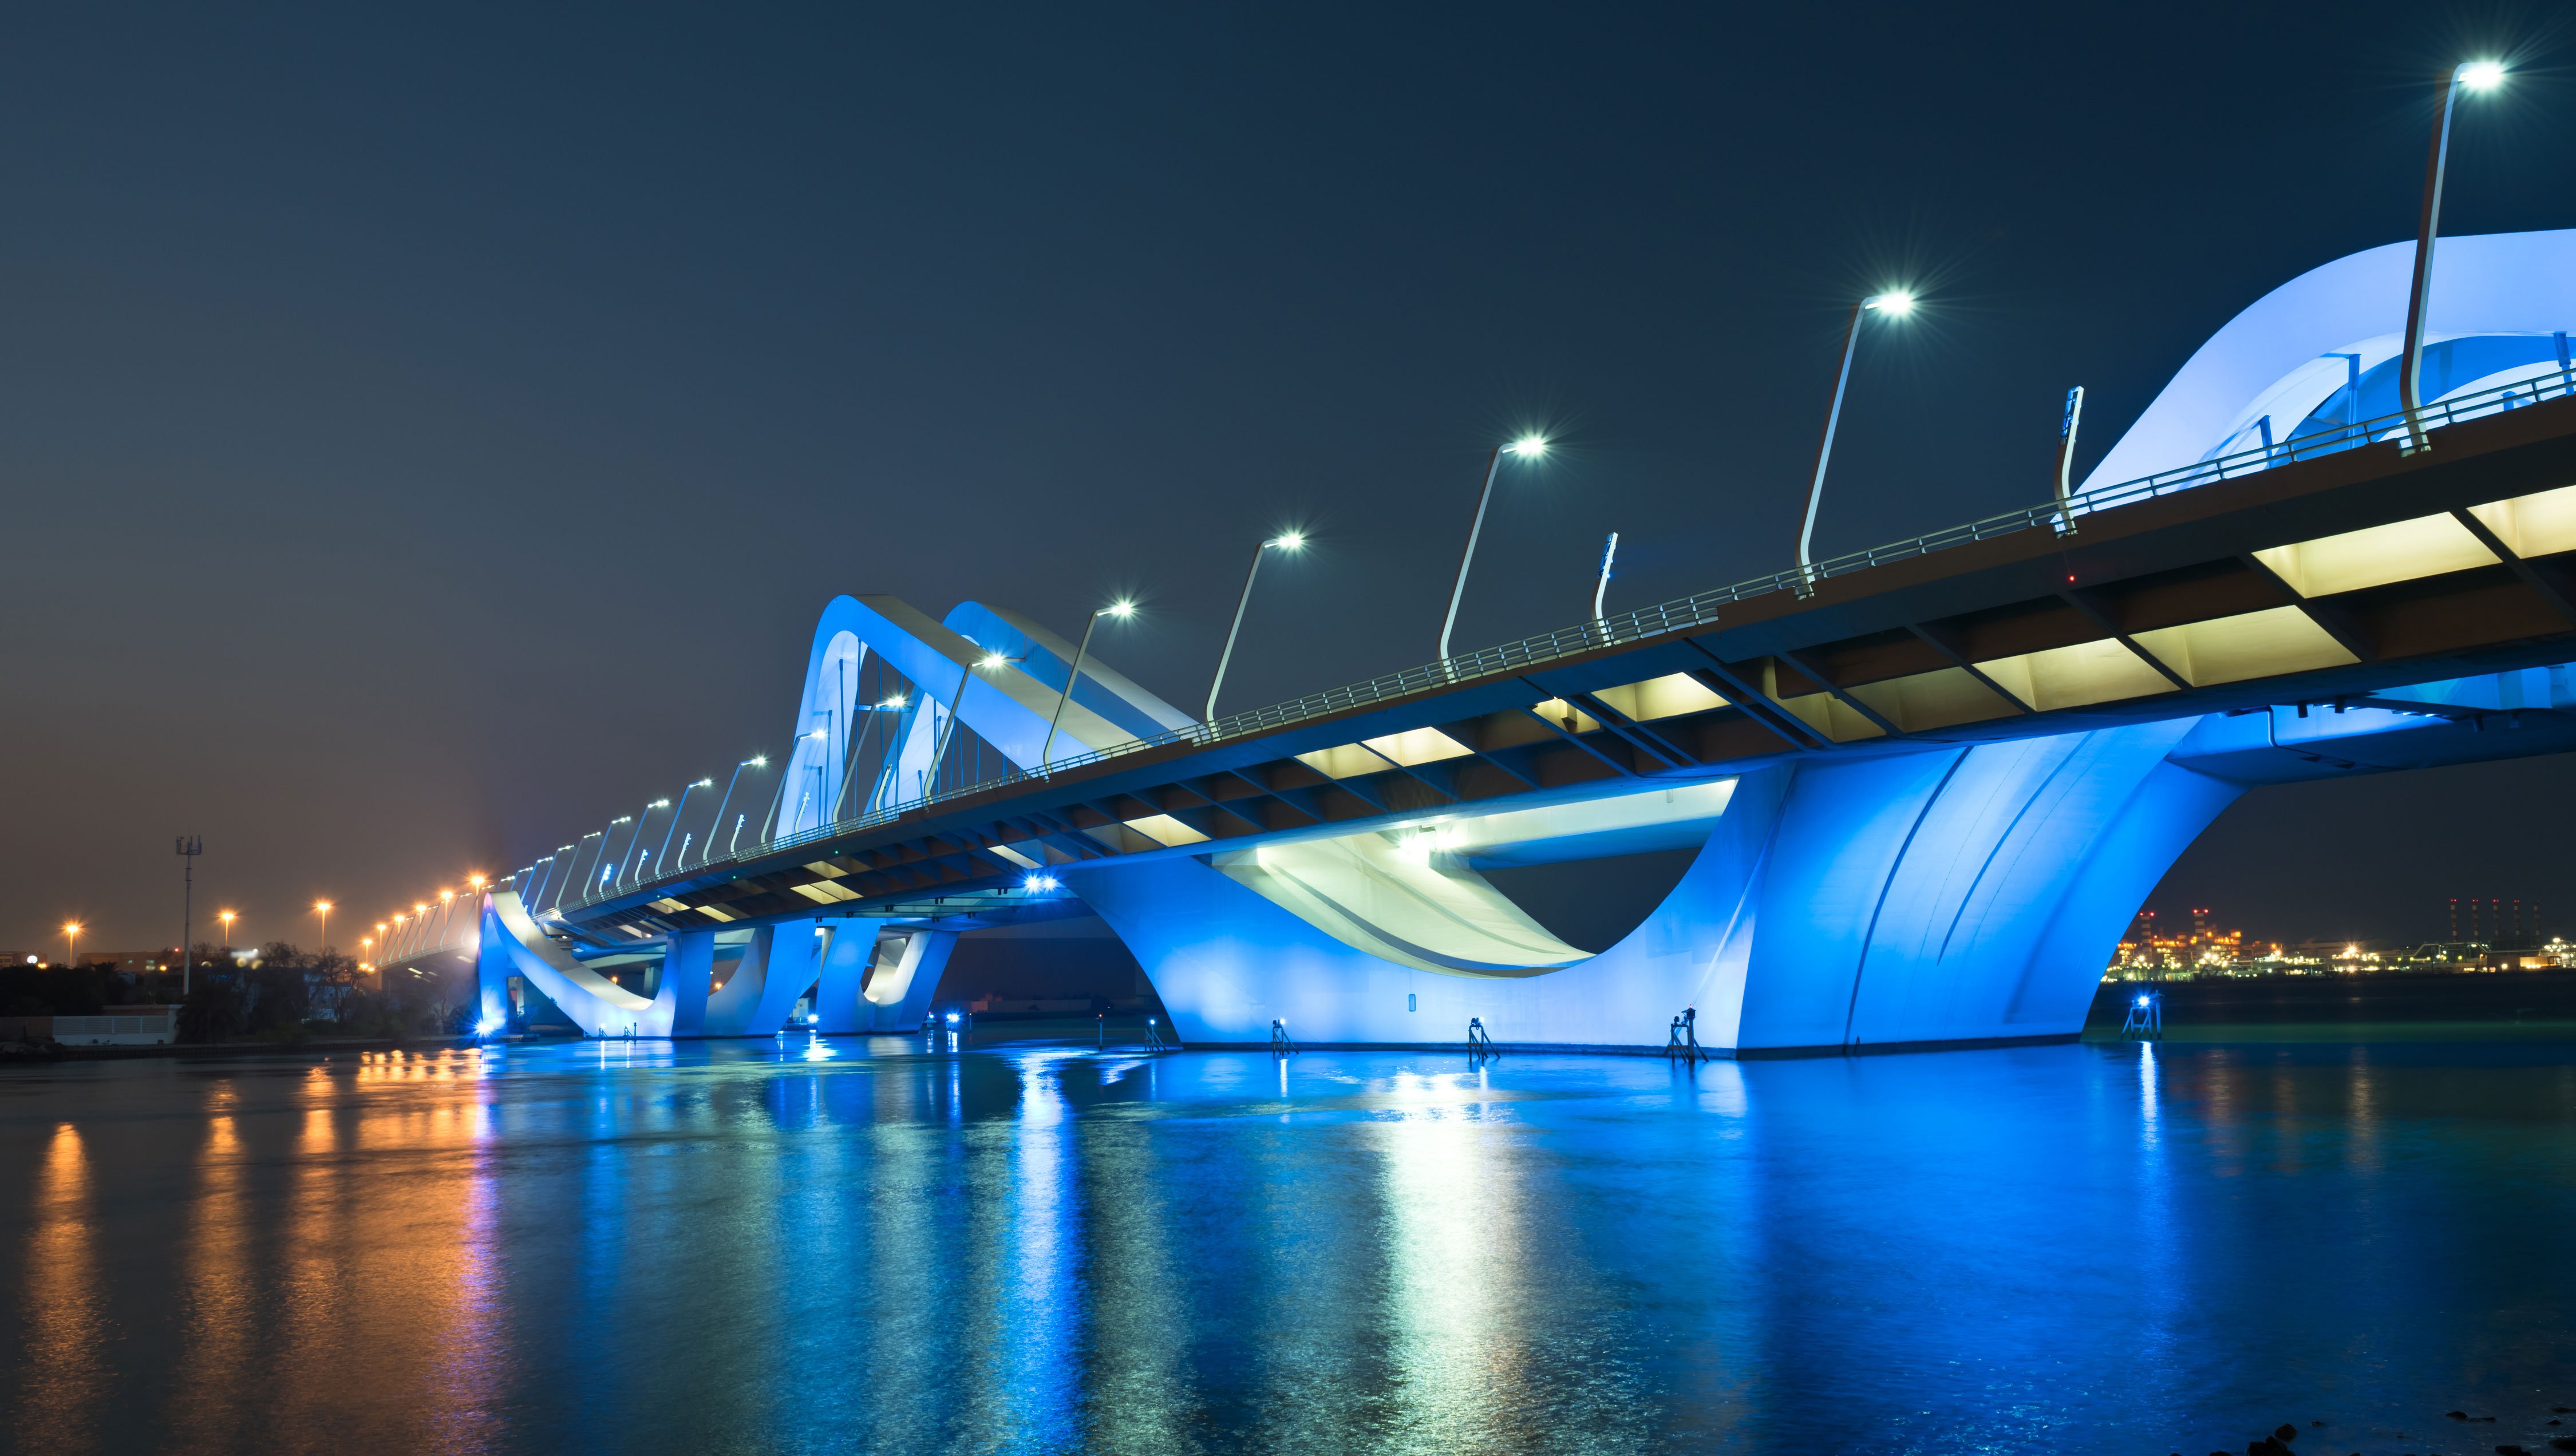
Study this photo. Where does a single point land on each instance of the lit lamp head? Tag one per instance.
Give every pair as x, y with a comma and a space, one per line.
1288, 541
892, 703
760, 761
1896, 303
2482, 75
1121, 608
991, 661
1528, 447
477, 880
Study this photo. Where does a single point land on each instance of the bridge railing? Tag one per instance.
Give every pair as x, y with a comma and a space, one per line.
1701, 609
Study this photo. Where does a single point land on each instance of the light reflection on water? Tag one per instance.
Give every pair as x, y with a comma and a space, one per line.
844, 1244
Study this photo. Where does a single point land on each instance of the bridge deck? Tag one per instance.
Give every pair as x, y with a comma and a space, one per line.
2319, 579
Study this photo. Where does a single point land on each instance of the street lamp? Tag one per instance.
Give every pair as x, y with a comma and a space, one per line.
1285, 541
673, 827
1527, 447
1122, 609
2472, 76
755, 761
599, 861
1895, 304
947, 731
227, 917
634, 844
322, 913
71, 943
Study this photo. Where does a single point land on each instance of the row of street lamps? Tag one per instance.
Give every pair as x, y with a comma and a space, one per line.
1891, 305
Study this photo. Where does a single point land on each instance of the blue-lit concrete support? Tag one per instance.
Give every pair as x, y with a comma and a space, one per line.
687, 968
1951, 894
775, 971
839, 983
907, 973
512, 945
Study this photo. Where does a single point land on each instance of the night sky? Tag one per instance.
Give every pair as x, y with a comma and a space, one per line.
428, 435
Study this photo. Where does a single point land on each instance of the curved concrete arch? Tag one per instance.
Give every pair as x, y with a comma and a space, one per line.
1951, 894
1046, 657
1006, 706
513, 945
2501, 284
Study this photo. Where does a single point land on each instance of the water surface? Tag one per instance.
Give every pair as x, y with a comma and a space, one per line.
852, 1245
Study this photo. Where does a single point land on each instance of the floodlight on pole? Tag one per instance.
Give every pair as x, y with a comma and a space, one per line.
1528, 448
1290, 541
1122, 609
2467, 76
322, 915
1895, 304
226, 918
71, 942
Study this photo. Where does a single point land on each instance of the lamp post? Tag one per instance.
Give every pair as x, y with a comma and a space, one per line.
755, 761
772, 825
947, 732
2473, 76
322, 915
1895, 304
599, 861
1122, 609
634, 844
226, 918
572, 866
1527, 447
190, 846
71, 943
1285, 541
674, 826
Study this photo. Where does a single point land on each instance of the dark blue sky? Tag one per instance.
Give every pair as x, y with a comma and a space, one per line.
426, 435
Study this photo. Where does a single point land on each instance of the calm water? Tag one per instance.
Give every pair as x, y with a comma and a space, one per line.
856, 1247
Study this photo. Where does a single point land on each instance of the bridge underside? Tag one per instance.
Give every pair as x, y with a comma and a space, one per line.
1952, 894
1928, 894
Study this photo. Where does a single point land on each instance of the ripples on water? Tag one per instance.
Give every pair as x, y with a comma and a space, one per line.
851, 1246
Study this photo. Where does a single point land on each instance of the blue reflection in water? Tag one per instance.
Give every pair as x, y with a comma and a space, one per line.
852, 1244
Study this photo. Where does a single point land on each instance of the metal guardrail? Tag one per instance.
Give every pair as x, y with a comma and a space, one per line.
1700, 610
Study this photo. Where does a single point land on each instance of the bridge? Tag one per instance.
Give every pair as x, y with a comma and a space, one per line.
1926, 786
